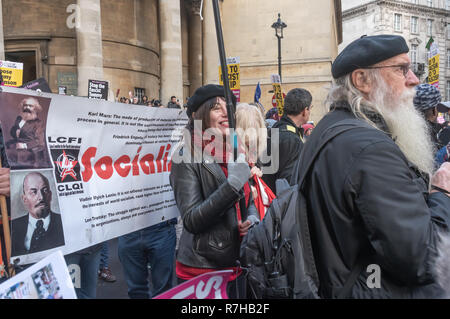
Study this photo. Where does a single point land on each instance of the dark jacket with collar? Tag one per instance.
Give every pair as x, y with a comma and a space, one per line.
364, 198
290, 145
54, 236
210, 237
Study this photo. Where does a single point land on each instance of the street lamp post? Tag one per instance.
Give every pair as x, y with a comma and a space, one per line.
279, 26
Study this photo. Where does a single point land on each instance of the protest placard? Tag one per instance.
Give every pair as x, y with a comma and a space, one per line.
234, 69
212, 285
103, 168
278, 95
62, 90
433, 64
98, 89
48, 279
38, 84
12, 73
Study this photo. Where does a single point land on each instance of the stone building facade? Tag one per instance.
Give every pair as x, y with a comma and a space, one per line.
415, 20
162, 48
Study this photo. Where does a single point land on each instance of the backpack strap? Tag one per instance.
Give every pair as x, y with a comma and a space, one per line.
336, 129
360, 263
302, 218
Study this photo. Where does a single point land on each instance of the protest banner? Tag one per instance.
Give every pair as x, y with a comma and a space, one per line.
433, 63
12, 73
98, 89
234, 69
278, 94
212, 285
48, 279
103, 169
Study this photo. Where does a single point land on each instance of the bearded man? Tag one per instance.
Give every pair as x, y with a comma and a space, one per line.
28, 140
374, 213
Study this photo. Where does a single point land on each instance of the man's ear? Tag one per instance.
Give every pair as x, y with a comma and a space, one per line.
361, 81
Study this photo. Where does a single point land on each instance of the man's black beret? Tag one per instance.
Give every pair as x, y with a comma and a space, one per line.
203, 94
367, 51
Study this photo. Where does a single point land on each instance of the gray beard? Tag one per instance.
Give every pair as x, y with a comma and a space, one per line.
407, 126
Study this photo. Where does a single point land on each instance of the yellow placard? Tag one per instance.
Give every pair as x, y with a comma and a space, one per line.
433, 69
279, 98
233, 76
12, 73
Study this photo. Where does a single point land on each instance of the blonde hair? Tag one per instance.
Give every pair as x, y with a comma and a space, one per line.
251, 128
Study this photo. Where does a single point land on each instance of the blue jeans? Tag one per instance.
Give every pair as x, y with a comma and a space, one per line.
104, 255
154, 245
86, 275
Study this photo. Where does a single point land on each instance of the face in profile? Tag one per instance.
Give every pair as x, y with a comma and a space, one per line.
29, 109
36, 195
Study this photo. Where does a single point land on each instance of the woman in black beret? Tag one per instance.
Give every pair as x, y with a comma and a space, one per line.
207, 188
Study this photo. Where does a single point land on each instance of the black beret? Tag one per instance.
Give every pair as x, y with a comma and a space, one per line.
203, 94
367, 51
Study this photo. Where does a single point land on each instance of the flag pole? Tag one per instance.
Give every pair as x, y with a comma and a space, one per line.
228, 99
223, 64
6, 231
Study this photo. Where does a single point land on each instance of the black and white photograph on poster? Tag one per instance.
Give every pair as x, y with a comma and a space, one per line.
23, 119
36, 221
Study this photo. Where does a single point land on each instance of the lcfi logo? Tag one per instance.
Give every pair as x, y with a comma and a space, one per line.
66, 164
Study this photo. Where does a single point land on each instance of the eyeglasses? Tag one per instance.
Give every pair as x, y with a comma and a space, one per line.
404, 67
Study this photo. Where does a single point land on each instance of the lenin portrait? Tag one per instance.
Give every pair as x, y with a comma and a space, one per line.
39, 228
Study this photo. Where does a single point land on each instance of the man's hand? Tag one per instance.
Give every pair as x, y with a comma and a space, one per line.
4, 182
441, 178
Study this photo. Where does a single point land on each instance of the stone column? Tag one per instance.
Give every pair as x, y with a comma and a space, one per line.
2, 39
195, 47
89, 44
210, 48
171, 56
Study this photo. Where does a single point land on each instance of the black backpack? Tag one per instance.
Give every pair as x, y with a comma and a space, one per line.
277, 253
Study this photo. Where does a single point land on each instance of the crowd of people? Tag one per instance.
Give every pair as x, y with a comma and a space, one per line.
174, 103
378, 193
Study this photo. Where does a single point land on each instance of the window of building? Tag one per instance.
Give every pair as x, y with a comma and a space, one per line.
448, 30
414, 50
397, 22
414, 1
28, 58
414, 24
430, 3
139, 92
429, 27
447, 4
